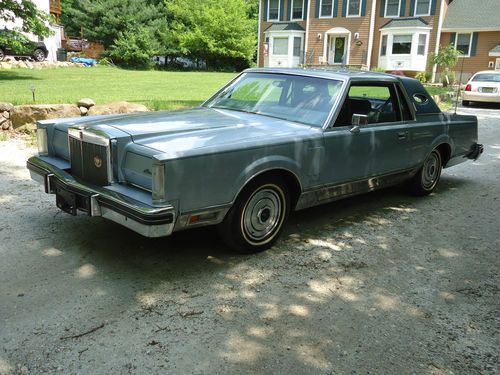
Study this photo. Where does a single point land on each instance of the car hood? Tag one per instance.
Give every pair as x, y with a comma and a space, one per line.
187, 132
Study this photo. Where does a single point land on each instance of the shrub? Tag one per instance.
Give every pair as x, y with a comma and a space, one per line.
378, 69
134, 48
423, 77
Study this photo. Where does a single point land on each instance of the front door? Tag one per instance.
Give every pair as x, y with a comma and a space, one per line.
337, 50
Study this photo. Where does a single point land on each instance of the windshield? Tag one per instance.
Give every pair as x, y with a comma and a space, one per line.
294, 98
487, 77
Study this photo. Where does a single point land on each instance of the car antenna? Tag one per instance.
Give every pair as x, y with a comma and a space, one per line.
459, 85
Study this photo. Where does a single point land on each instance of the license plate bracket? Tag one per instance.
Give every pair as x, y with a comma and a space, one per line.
487, 90
66, 201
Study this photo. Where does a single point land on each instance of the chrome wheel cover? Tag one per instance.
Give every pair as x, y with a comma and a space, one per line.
39, 55
263, 214
431, 171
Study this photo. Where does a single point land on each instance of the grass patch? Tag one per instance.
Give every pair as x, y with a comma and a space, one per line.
436, 90
155, 89
4, 136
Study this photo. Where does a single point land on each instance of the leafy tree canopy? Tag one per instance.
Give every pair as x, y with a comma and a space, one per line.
33, 20
217, 31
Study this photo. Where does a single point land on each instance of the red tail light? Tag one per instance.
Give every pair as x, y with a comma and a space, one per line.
468, 87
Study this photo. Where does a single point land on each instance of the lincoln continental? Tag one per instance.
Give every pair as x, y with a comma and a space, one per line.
269, 142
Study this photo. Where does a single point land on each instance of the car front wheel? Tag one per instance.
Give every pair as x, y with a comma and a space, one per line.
256, 219
2, 54
39, 55
427, 178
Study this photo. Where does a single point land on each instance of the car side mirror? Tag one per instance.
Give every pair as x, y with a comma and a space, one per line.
357, 121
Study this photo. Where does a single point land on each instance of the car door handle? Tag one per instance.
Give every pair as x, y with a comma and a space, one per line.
402, 135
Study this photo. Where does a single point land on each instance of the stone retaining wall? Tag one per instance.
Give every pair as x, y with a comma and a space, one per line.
26, 64
22, 116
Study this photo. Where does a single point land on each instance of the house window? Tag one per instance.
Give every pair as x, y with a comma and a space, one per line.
280, 46
297, 9
383, 47
422, 7
463, 42
401, 44
422, 40
354, 8
297, 43
326, 8
392, 8
274, 10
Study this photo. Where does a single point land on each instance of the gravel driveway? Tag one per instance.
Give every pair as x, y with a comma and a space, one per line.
382, 283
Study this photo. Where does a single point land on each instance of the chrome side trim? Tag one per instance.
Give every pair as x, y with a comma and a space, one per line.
333, 192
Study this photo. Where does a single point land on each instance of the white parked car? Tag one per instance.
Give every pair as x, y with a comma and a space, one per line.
482, 87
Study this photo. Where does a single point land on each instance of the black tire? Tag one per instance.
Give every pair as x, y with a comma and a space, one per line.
39, 55
256, 219
465, 103
427, 178
2, 54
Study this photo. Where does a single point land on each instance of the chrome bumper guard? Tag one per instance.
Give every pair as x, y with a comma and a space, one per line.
72, 195
475, 151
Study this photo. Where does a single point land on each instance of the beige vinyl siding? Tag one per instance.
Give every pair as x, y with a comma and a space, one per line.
485, 42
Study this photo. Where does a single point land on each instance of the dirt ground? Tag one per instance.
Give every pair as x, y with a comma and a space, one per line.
383, 283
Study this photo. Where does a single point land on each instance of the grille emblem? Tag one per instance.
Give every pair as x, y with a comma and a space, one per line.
97, 161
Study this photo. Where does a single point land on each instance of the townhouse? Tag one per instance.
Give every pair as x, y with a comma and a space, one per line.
388, 34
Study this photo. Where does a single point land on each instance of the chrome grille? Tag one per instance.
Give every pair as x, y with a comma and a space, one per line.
89, 161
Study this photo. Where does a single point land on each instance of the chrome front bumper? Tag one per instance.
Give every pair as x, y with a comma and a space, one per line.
73, 196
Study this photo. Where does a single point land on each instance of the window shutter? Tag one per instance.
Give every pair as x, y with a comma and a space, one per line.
282, 10
305, 9
266, 4
317, 8
433, 7
344, 8
402, 8
290, 14
412, 8
382, 8
473, 46
363, 7
453, 36
335, 8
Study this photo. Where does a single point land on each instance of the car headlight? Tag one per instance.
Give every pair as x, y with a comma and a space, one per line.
42, 140
158, 188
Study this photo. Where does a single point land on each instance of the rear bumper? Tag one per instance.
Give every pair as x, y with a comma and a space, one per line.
481, 97
72, 195
475, 151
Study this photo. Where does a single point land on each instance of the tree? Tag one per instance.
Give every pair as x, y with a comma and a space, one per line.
134, 48
103, 21
219, 32
446, 58
33, 20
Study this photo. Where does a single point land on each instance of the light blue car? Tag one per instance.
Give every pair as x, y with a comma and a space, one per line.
270, 142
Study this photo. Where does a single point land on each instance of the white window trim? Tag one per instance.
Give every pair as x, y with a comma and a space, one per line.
470, 42
269, 11
392, 44
425, 44
386, 45
422, 14
321, 6
353, 15
399, 10
302, 16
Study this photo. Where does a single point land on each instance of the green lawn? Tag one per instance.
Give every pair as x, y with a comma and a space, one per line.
155, 89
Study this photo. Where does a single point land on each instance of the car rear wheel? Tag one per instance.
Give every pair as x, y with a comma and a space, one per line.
2, 54
427, 178
39, 55
465, 103
256, 219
